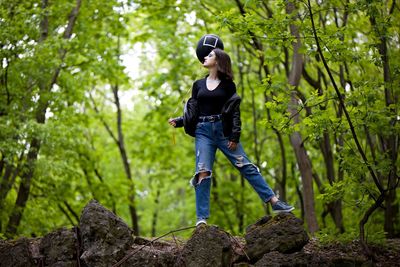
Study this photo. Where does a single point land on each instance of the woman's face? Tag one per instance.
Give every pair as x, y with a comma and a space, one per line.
210, 60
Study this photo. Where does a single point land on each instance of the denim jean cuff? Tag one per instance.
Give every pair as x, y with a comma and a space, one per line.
268, 199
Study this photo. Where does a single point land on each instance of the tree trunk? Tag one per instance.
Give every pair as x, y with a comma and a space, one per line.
255, 132
334, 208
296, 140
242, 203
298, 191
155, 214
28, 172
121, 146
389, 143
24, 189
5, 185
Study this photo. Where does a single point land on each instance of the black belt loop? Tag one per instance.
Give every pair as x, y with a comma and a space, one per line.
211, 118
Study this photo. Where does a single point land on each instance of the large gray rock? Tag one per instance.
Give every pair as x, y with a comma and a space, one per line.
16, 253
105, 237
60, 248
283, 233
208, 246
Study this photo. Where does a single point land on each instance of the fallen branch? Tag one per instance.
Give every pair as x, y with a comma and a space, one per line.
240, 245
130, 254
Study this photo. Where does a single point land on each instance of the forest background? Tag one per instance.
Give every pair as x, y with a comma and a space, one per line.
87, 88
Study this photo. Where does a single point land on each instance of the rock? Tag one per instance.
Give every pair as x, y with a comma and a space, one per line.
283, 233
260, 222
337, 255
239, 254
59, 248
208, 246
104, 240
349, 262
242, 264
276, 259
313, 258
105, 237
151, 256
16, 253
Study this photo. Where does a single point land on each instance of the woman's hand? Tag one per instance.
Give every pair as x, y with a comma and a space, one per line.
172, 122
232, 145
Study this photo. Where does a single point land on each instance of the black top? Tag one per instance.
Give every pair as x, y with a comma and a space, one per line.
211, 102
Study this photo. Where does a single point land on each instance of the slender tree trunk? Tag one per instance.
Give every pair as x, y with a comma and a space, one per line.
2, 163
389, 143
334, 208
24, 189
5, 185
71, 221
255, 132
242, 204
281, 183
299, 192
125, 161
71, 211
124, 156
296, 140
155, 214
111, 196
8, 180
365, 218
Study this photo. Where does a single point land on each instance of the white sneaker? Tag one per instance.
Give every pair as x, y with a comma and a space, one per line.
201, 221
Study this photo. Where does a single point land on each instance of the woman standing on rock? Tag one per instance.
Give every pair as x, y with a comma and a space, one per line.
212, 116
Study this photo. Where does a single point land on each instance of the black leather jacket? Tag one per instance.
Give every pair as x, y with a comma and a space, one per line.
231, 122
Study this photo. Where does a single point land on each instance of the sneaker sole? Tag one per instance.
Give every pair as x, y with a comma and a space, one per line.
201, 222
283, 211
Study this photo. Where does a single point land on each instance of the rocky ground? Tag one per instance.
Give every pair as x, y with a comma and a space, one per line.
103, 239
385, 255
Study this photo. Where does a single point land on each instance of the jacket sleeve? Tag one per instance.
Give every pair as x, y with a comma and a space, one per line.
178, 122
236, 124
190, 116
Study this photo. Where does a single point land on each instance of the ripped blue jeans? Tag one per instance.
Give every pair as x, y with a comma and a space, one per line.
209, 137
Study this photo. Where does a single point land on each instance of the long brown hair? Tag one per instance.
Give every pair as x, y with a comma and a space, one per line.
224, 66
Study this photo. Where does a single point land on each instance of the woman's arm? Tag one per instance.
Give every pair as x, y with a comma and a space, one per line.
176, 122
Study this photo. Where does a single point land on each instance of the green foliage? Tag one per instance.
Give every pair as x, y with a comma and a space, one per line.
325, 236
333, 192
328, 236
